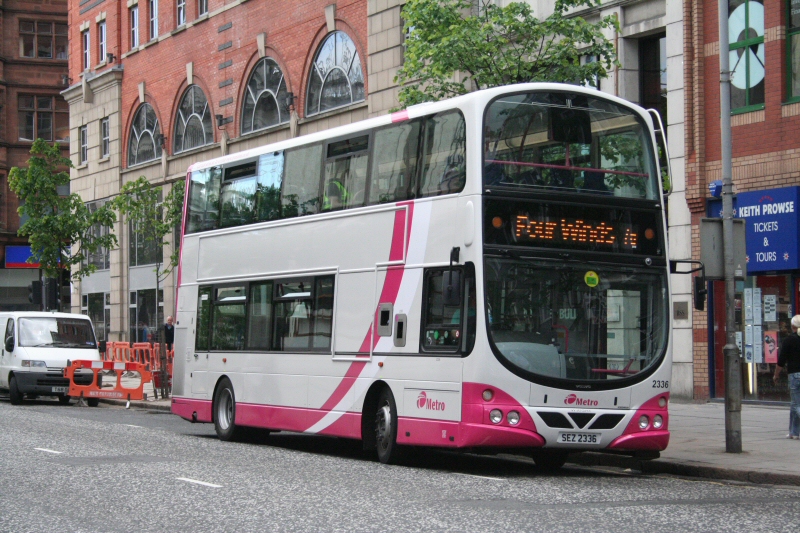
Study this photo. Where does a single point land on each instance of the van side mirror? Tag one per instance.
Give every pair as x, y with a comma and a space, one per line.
451, 288
9, 344
101, 346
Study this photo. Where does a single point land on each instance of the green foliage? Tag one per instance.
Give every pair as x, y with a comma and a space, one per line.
155, 220
59, 228
497, 46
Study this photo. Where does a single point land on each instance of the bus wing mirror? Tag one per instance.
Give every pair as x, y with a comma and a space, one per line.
700, 292
10, 344
451, 288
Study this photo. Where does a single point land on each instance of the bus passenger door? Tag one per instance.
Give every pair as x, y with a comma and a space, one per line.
197, 366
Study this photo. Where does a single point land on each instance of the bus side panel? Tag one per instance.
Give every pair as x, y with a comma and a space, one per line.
299, 245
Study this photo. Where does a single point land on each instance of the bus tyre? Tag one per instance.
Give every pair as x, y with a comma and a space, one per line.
13, 392
386, 428
63, 400
224, 413
93, 402
549, 460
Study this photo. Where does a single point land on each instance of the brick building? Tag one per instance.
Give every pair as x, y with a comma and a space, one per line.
33, 66
765, 104
160, 84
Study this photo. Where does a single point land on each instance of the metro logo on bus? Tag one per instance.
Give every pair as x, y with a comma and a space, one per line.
573, 399
423, 402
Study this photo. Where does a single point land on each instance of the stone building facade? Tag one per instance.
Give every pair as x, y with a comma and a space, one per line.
33, 67
158, 85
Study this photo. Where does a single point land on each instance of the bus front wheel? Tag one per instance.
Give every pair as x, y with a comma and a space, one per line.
386, 428
224, 412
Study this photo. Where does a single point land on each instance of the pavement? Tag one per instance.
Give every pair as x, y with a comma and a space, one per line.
696, 447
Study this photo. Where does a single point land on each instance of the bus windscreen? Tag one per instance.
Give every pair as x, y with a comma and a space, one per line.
576, 321
568, 143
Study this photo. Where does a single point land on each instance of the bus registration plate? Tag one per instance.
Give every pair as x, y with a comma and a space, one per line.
60, 389
579, 438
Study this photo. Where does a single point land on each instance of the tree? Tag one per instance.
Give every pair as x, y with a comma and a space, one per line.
60, 229
154, 221
497, 46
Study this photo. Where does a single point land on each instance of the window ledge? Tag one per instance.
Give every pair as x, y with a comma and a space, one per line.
82, 166
130, 52
156, 161
749, 109
179, 29
195, 150
100, 65
332, 112
104, 159
256, 133
790, 108
198, 20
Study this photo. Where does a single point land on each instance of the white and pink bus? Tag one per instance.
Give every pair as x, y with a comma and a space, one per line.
484, 273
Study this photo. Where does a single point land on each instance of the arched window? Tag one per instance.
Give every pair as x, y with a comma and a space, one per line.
142, 145
193, 123
265, 98
336, 78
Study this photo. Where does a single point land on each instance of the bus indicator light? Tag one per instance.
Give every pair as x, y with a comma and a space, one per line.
649, 234
497, 222
488, 395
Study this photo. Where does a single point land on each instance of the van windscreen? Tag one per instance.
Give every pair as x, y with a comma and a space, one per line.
56, 331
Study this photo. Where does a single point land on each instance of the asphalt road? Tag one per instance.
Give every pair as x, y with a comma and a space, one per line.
76, 469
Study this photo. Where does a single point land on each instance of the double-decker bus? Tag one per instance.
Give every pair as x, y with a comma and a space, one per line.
483, 273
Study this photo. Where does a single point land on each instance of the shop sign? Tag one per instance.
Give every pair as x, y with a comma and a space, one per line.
772, 218
17, 257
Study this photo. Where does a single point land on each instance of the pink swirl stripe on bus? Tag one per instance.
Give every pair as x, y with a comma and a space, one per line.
401, 236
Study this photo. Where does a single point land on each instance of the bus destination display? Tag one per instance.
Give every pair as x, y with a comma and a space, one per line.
572, 227
575, 230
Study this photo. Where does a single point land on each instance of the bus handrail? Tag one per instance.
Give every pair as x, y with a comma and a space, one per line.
562, 167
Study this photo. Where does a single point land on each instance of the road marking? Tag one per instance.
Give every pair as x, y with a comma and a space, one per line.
46, 450
482, 477
186, 479
131, 426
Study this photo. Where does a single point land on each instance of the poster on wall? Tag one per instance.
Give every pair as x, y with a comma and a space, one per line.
770, 308
748, 343
757, 306
770, 346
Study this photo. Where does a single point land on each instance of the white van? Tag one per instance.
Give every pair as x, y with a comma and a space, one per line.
36, 348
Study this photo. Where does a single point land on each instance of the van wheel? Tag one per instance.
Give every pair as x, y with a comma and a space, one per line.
13, 391
64, 400
92, 402
386, 428
224, 413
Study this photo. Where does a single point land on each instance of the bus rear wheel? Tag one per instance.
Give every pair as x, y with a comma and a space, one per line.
386, 428
64, 400
224, 413
549, 460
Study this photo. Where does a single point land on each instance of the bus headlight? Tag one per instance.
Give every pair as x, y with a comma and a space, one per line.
488, 394
34, 364
513, 418
658, 421
496, 416
644, 421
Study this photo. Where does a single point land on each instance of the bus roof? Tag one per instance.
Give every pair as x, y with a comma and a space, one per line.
415, 111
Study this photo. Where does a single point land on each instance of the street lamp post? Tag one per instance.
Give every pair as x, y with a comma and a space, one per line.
733, 367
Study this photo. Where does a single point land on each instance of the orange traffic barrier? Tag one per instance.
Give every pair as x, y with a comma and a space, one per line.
103, 385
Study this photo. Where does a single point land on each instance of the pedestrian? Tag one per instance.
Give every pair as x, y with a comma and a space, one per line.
169, 333
789, 358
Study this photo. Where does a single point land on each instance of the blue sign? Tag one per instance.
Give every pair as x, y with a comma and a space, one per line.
17, 257
772, 218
